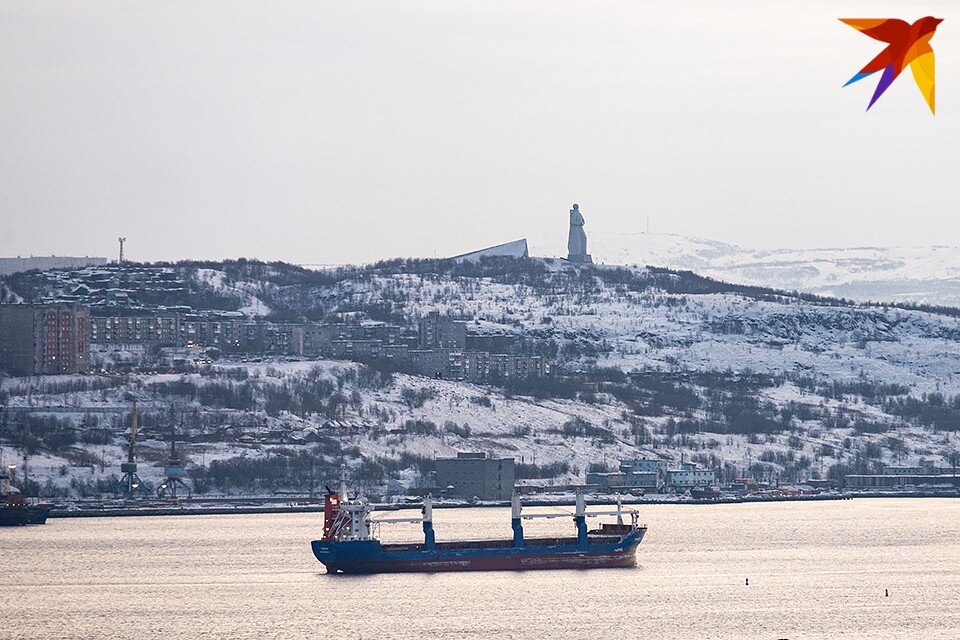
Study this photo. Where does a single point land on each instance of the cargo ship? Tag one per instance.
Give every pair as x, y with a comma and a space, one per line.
350, 542
14, 508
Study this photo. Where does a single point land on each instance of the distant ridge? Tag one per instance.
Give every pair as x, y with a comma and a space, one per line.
916, 275
14, 265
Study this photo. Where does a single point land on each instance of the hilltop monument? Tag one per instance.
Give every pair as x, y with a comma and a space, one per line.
577, 239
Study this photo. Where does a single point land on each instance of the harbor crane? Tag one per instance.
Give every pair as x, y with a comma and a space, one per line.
174, 472
131, 485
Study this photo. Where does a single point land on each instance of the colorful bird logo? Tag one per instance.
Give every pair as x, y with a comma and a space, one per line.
907, 44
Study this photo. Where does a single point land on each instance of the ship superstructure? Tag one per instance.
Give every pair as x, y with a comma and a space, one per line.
14, 506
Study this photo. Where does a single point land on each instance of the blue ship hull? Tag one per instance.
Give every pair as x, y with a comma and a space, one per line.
14, 516
369, 556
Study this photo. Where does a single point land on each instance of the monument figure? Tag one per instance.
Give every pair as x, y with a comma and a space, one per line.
577, 239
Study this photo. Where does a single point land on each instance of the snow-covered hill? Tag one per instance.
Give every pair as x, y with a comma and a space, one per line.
927, 275
738, 378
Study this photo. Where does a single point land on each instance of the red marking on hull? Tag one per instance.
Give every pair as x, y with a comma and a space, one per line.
515, 563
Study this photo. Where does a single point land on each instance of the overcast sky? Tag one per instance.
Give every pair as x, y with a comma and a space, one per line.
331, 132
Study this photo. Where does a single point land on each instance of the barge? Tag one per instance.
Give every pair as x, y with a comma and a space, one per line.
350, 543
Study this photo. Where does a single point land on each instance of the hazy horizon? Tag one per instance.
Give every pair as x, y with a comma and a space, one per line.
326, 133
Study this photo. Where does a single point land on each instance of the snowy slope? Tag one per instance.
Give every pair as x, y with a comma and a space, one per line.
519, 427
717, 332
928, 275
218, 281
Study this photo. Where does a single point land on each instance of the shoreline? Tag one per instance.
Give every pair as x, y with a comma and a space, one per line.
224, 508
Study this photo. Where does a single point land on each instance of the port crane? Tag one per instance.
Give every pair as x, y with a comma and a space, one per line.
174, 472
131, 485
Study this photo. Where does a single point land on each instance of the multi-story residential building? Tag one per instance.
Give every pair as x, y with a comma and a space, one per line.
318, 339
396, 354
472, 475
44, 339
295, 334
442, 332
225, 333
512, 367
446, 364
492, 343
355, 349
482, 367
292, 336
159, 329
272, 338
386, 334
476, 366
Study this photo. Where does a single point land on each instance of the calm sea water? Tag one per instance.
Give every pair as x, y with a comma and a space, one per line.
816, 570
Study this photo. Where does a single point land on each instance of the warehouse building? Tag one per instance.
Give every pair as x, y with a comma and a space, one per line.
474, 475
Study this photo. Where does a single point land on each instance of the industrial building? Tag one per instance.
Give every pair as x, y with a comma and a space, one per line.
883, 481
642, 473
924, 474
474, 475
689, 478
652, 474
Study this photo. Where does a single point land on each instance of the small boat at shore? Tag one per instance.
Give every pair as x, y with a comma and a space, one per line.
705, 493
349, 543
14, 508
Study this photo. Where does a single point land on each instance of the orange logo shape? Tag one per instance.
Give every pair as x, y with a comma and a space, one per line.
907, 44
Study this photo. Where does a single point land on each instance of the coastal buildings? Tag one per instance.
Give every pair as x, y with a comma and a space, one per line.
472, 475
689, 477
925, 473
654, 475
44, 339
